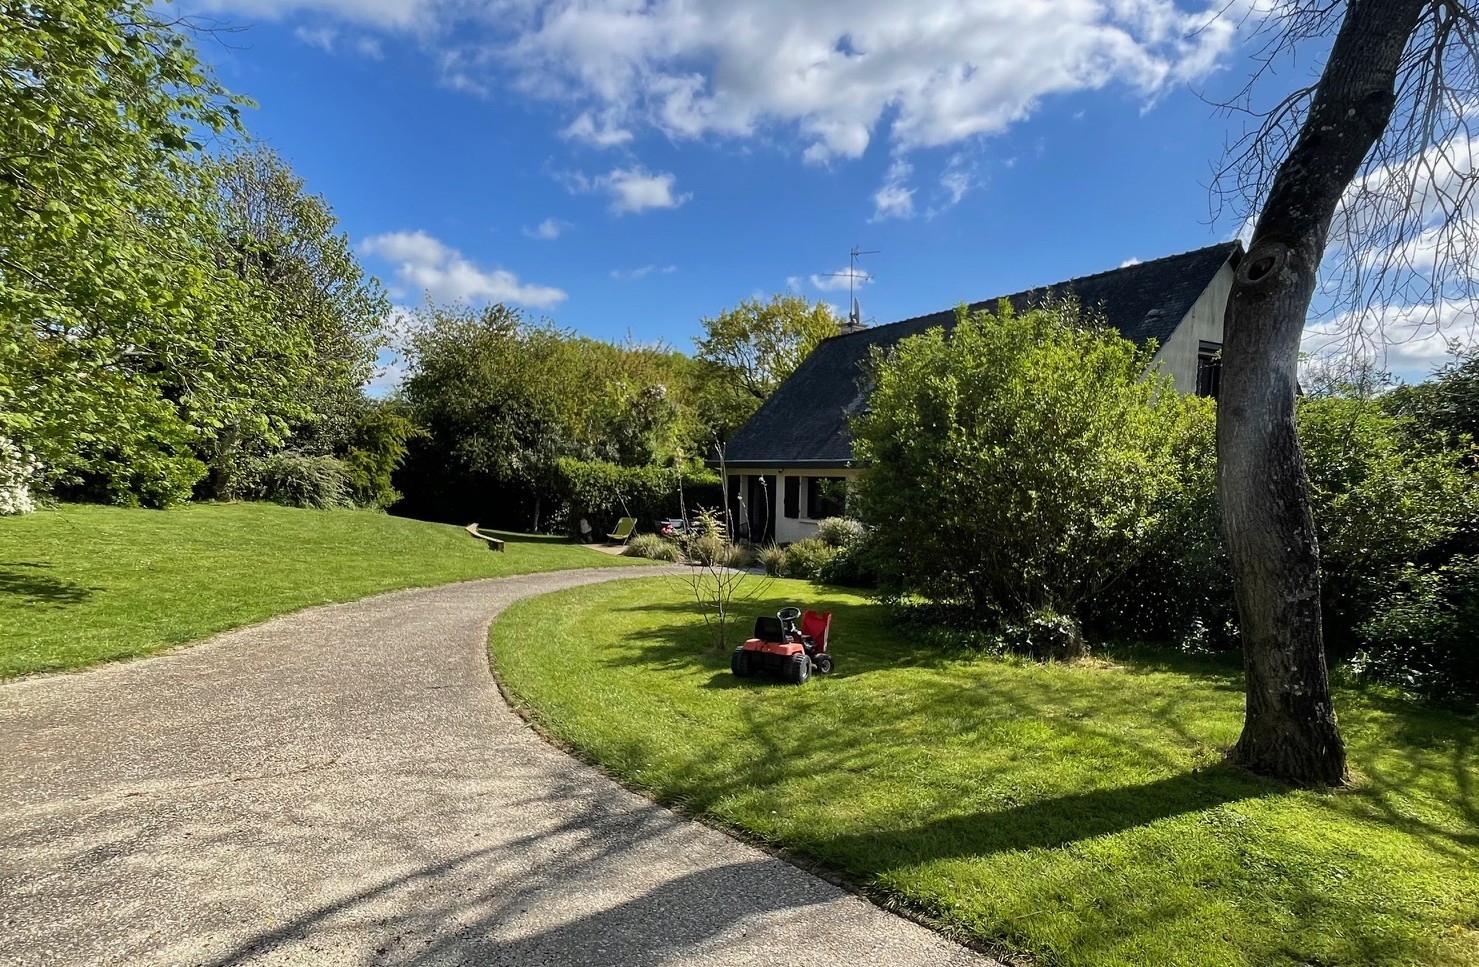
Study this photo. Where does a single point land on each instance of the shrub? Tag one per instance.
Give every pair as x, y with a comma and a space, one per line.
772, 557
1385, 499
740, 556
707, 550
295, 480
377, 444
602, 493
1178, 589
1422, 634
853, 566
1014, 465
653, 548
17, 475
840, 532
805, 559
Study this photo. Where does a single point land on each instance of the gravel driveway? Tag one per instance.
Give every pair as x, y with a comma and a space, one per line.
345, 785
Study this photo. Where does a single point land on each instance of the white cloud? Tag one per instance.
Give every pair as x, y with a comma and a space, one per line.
383, 14
547, 230
835, 281
841, 69
839, 72
330, 40
425, 264
323, 38
630, 189
603, 134
958, 178
1132, 260
892, 199
632, 275
1407, 340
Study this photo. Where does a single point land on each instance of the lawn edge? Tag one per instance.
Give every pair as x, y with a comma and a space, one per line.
882, 899
164, 650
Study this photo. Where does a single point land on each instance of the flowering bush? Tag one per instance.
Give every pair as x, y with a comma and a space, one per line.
17, 474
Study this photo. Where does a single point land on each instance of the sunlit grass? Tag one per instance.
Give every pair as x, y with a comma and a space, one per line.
83, 584
1079, 814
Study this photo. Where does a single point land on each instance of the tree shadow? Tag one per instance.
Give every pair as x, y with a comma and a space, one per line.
472, 908
860, 641
25, 580
1054, 823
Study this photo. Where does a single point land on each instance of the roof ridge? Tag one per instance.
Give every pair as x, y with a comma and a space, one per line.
1042, 288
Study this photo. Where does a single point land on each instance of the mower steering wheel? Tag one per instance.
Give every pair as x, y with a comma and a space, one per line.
788, 614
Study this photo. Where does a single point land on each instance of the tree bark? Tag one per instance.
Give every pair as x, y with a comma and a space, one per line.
1290, 729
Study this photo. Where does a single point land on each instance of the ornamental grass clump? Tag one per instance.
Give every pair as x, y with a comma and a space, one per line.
654, 548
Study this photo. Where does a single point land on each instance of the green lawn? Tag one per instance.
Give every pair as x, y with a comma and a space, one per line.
1078, 814
84, 584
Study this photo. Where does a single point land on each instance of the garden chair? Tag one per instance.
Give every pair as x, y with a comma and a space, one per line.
623, 532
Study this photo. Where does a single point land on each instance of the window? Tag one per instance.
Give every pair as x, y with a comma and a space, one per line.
825, 497
793, 498
1209, 369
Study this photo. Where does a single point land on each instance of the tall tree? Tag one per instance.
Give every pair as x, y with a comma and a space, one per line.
1327, 165
112, 310
753, 347
286, 245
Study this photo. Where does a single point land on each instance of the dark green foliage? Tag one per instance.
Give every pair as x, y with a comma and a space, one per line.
503, 400
603, 493
1383, 504
853, 566
153, 330
375, 447
1424, 635
1018, 465
299, 480
1446, 404
806, 559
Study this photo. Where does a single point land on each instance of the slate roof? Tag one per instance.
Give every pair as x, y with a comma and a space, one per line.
804, 423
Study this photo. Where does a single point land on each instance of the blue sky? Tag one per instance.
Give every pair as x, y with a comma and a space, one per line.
628, 167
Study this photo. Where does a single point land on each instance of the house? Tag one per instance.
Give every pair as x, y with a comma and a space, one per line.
789, 466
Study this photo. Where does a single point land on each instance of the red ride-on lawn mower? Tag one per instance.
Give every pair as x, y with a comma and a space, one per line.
782, 648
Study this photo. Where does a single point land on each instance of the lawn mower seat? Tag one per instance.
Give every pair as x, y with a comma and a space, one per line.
814, 628
769, 629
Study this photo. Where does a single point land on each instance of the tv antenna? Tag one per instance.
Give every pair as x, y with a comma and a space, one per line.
855, 317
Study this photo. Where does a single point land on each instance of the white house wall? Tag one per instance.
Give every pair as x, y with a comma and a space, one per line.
788, 531
1203, 323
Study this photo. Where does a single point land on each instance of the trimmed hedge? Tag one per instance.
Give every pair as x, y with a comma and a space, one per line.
603, 493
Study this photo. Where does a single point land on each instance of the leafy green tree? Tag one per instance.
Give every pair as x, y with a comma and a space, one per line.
124, 343
1385, 498
1016, 464
1447, 404
502, 399
753, 347
285, 244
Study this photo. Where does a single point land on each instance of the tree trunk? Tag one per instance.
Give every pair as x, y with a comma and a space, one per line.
1290, 730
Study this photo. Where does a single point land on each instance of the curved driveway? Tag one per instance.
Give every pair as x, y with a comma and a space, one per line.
346, 786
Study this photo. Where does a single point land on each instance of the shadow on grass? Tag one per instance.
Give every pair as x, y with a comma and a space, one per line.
1052, 823
26, 581
861, 638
